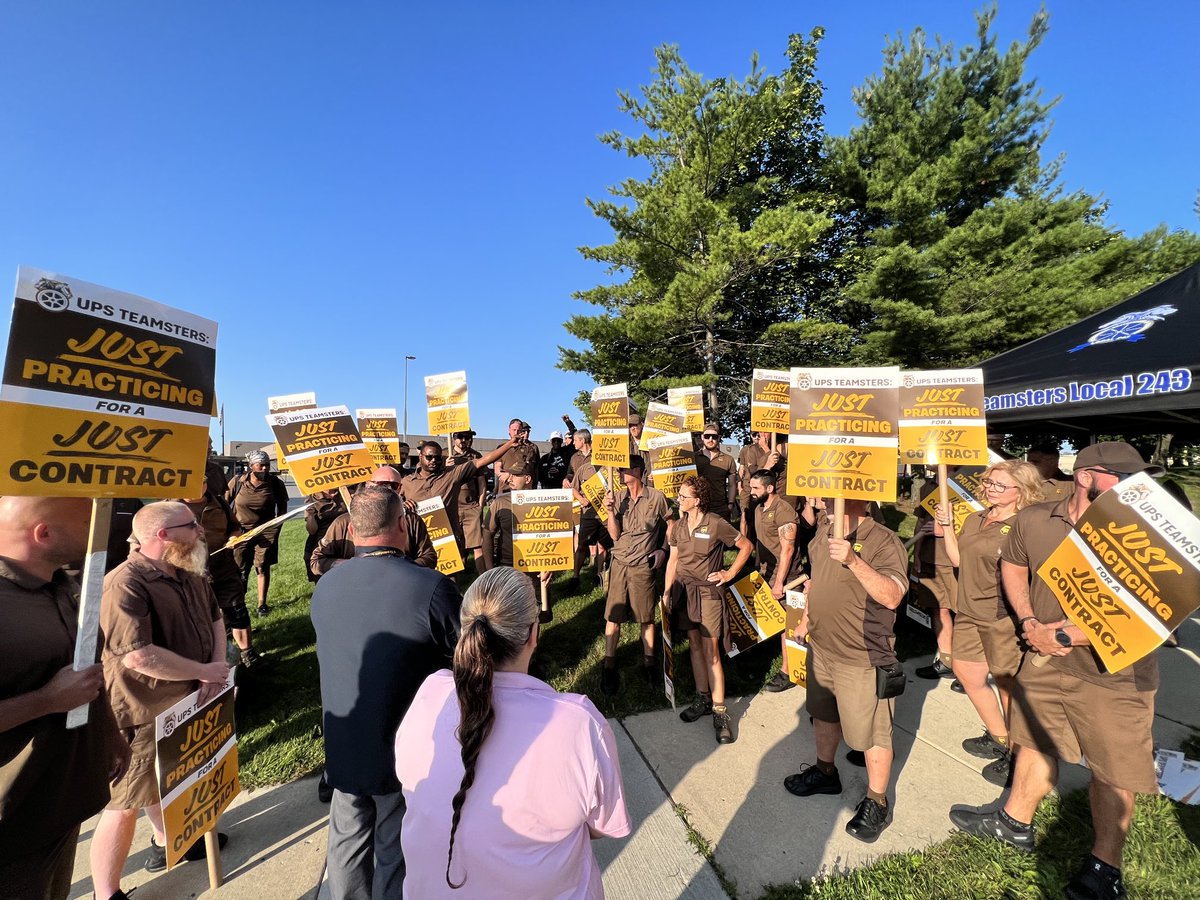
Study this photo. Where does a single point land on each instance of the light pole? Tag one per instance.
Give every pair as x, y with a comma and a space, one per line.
407, 360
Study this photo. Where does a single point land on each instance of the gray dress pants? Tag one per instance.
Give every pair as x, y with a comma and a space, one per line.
365, 860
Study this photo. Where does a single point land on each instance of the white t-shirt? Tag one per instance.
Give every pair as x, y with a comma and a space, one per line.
547, 780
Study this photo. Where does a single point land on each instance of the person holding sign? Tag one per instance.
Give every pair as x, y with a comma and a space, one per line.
258, 497
521, 459
636, 524
52, 777
505, 780
985, 639
936, 588
695, 596
593, 535
470, 498
164, 637
1072, 708
718, 467
849, 623
434, 479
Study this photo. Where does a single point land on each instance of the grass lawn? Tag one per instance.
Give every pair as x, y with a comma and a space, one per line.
279, 716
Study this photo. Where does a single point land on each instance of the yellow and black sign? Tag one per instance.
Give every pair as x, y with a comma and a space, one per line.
691, 401
289, 403
378, 428
104, 394
672, 459
661, 420
594, 489
197, 767
446, 401
323, 448
543, 531
1129, 572
610, 426
942, 419
852, 468
770, 391
754, 615
795, 661
437, 522
965, 487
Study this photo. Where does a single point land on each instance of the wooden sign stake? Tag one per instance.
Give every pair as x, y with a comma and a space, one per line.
839, 518
212, 849
88, 636
944, 490
545, 594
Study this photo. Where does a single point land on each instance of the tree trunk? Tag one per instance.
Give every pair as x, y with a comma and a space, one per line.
1162, 449
710, 366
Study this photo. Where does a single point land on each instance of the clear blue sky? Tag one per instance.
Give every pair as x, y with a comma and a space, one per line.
339, 184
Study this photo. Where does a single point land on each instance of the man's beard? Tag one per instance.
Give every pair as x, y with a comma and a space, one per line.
192, 558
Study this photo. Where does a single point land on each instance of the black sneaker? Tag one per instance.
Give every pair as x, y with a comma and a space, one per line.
721, 725
869, 821
1096, 881
263, 610
610, 681
811, 780
999, 772
989, 824
957, 687
700, 708
156, 857
856, 758
779, 683
937, 670
985, 747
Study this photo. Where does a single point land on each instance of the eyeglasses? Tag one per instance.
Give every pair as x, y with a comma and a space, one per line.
191, 524
431, 456
686, 497
997, 486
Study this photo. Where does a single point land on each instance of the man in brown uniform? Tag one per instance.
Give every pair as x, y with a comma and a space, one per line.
163, 638
217, 521
433, 479
937, 587
325, 508
52, 777
337, 546
521, 458
470, 498
718, 468
257, 497
1056, 484
849, 621
1072, 707
592, 532
637, 523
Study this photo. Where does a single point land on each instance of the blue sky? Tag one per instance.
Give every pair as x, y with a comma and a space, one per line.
341, 184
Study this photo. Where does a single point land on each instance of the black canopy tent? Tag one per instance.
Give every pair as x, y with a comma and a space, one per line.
1128, 370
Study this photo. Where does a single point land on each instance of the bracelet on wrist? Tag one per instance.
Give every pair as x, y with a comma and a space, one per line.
1021, 622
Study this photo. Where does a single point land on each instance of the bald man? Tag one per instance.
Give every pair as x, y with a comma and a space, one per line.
51, 778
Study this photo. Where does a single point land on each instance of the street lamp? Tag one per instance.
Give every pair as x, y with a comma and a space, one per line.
407, 360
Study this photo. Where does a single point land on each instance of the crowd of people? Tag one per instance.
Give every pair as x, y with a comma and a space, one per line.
450, 769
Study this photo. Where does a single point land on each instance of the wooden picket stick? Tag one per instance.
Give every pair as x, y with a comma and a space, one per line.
212, 849
839, 518
944, 490
86, 640
545, 594
345, 493
796, 583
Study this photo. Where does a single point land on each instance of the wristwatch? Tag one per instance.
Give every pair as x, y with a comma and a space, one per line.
1061, 636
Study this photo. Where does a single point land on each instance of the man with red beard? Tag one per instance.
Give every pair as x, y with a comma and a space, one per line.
164, 637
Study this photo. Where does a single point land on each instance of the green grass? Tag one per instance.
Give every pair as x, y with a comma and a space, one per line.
1161, 861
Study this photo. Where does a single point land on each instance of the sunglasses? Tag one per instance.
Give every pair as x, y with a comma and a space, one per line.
431, 456
191, 524
1108, 472
709, 437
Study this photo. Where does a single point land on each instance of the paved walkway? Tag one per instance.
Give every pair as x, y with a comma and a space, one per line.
733, 796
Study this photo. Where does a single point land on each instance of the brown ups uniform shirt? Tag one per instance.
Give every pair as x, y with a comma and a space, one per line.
468, 492
979, 594
843, 621
499, 523
642, 524
51, 777
1037, 530
255, 503
699, 553
522, 460
147, 601
419, 486
337, 547
767, 523
717, 471
1057, 488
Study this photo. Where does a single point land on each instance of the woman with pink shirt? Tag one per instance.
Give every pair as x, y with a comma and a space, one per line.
506, 780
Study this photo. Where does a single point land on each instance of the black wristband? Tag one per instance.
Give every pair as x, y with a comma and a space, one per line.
1021, 622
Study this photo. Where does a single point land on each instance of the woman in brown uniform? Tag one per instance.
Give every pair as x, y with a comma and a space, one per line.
695, 595
985, 636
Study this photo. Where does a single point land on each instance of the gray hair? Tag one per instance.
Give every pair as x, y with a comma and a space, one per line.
373, 510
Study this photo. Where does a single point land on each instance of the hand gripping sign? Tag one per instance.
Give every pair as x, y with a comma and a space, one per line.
941, 418
660, 420
378, 428
289, 403
433, 512
543, 531
795, 652
842, 440
1128, 573
610, 426
754, 614
672, 459
965, 491
691, 401
323, 448
446, 401
104, 394
196, 763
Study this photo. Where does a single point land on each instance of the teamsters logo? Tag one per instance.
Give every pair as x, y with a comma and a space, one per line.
908, 381
1129, 327
804, 382
1133, 494
53, 296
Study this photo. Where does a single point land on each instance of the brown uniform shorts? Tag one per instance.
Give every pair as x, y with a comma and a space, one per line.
139, 786
937, 591
846, 694
265, 550
994, 643
699, 607
471, 521
631, 594
1066, 717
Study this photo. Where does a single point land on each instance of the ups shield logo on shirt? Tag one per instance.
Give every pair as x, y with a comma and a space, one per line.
857, 547
1005, 529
